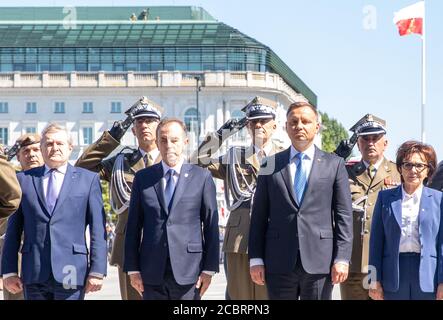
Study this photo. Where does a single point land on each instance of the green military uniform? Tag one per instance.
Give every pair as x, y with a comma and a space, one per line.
235, 244
10, 193
10, 196
363, 185
92, 159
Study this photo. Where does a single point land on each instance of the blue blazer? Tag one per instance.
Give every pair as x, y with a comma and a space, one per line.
321, 228
384, 243
57, 241
187, 233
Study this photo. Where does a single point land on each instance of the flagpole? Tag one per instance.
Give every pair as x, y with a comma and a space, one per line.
423, 76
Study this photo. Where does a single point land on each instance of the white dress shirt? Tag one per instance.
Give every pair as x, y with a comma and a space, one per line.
267, 149
410, 210
59, 176
177, 169
376, 165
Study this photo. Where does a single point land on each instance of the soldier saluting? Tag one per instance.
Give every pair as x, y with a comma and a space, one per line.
120, 170
239, 169
367, 177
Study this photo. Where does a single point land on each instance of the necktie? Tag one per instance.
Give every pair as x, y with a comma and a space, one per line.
371, 171
148, 160
170, 187
51, 192
300, 177
261, 155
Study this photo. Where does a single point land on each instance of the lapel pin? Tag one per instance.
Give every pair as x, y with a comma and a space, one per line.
186, 175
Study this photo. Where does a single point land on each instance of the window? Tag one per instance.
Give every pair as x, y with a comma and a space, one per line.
30, 130
191, 120
4, 107
87, 135
31, 107
88, 107
4, 136
116, 107
59, 107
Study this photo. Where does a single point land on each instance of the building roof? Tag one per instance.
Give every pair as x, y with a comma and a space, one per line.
111, 27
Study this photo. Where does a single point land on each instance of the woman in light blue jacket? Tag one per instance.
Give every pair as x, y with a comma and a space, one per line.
406, 243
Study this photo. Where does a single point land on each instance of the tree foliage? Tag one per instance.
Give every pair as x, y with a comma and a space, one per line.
332, 133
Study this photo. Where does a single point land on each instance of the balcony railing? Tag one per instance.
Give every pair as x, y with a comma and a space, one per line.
131, 79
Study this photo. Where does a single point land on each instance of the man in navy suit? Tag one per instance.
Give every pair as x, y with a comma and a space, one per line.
172, 238
59, 201
301, 221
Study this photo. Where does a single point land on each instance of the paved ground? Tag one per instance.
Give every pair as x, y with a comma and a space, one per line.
216, 291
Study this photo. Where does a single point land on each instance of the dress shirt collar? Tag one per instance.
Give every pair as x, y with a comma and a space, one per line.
267, 148
416, 195
61, 169
176, 168
376, 165
153, 153
308, 152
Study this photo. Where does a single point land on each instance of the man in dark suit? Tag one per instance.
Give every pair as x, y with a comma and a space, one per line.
173, 204
301, 221
59, 201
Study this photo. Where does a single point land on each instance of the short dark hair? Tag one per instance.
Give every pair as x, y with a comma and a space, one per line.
166, 121
408, 148
301, 104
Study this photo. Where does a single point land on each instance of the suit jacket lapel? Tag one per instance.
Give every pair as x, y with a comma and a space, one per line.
38, 185
68, 182
140, 164
424, 208
181, 184
381, 173
286, 173
362, 174
159, 187
252, 159
396, 205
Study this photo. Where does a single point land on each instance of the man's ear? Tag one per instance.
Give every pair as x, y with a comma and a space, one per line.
133, 131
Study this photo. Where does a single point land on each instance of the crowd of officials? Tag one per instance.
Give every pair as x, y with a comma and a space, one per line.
301, 219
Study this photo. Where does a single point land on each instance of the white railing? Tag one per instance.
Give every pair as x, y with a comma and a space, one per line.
102, 79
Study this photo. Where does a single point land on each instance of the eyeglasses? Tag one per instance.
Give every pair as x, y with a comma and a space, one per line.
418, 166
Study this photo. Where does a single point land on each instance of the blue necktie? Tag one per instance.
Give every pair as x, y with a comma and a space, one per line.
51, 191
300, 177
170, 187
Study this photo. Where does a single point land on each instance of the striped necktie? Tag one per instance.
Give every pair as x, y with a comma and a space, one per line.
300, 178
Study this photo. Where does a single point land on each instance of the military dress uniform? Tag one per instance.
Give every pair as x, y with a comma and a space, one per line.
133, 161
365, 182
22, 141
235, 244
10, 193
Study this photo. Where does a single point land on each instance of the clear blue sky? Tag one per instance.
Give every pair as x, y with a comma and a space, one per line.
352, 69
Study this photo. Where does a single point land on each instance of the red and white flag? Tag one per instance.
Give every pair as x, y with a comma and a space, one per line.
410, 19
